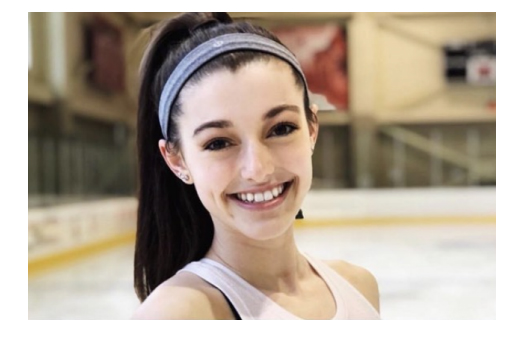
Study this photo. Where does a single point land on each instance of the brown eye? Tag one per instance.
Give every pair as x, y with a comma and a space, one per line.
217, 144
283, 129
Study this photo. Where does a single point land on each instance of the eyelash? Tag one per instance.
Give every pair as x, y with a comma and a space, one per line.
209, 146
292, 128
212, 145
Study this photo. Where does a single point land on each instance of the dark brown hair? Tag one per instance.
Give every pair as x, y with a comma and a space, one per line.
173, 227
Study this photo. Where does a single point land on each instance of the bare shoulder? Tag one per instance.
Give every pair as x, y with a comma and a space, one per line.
361, 278
185, 296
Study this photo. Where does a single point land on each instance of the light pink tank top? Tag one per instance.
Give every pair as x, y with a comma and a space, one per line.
251, 303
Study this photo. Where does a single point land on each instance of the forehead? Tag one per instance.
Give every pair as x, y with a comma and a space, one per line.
254, 88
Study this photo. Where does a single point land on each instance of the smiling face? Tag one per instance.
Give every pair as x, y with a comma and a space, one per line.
246, 144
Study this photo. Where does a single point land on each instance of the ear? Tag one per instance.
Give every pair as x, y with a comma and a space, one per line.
313, 127
175, 162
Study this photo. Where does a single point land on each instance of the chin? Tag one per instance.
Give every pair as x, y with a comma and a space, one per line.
269, 224
267, 230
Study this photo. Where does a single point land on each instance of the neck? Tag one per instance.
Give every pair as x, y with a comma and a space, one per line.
273, 265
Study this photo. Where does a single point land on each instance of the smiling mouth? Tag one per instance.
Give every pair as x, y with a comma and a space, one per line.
263, 196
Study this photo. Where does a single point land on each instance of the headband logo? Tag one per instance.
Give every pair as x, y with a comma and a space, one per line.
218, 43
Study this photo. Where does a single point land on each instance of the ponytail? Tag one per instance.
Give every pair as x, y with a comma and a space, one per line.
173, 227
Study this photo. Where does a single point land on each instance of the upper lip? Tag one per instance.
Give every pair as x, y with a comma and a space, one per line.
259, 189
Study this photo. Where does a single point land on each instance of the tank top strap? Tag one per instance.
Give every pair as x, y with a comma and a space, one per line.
351, 304
249, 302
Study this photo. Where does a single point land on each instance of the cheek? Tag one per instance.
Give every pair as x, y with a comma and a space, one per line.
211, 178
297, 159
207, 167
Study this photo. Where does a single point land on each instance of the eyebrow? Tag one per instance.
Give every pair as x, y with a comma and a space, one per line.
222, 124
279, 109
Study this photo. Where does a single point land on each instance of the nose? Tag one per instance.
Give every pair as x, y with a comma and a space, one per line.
257, 163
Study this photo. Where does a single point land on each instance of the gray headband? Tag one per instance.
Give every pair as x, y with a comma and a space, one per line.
205, 53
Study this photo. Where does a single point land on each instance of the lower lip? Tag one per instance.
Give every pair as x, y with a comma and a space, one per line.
262, 206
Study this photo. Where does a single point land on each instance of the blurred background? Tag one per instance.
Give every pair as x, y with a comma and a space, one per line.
404, 167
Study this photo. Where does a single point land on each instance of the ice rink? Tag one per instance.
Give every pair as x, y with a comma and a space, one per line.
432, 252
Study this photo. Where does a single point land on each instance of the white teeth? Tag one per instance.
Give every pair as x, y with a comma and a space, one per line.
261, 196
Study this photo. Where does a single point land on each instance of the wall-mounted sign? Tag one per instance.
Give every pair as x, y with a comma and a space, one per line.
472, 63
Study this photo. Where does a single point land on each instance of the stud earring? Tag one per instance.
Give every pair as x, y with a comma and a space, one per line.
183, 177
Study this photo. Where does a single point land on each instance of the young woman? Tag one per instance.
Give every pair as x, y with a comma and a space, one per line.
225, 138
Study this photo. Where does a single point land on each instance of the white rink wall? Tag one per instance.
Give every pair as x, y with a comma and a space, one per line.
412, 202
60, 228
